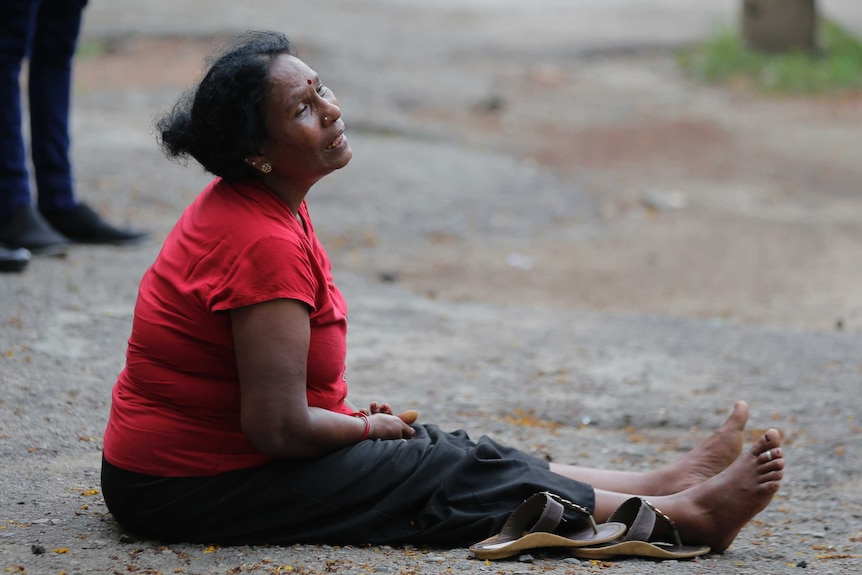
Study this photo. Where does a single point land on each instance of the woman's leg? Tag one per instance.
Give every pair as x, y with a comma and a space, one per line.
714, 511
706, 460
437, 488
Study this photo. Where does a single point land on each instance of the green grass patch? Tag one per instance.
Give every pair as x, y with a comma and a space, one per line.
94, 48
835, 67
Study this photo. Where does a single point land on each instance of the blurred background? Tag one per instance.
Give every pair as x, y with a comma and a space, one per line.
617, 155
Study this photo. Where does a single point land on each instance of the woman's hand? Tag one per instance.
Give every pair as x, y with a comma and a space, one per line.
384, 425
394, 427
377, 408
408, 417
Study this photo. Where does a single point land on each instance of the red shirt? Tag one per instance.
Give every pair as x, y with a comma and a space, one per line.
176, 404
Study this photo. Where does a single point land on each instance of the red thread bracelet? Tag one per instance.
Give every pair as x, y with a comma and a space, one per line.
367, 424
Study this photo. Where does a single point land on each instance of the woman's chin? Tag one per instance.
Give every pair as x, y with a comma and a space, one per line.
343, 157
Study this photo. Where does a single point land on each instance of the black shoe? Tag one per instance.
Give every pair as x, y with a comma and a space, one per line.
83, 225
13, 260
25, 228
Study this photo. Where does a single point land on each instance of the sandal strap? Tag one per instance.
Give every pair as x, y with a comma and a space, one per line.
640, 517
574, 507
539, 513
677, 540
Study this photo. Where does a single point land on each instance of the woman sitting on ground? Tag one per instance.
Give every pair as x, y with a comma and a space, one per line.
230, 422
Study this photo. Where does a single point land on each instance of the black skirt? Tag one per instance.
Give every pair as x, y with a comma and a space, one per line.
437, 488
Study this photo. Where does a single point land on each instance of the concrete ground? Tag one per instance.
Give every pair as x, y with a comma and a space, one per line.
548, 234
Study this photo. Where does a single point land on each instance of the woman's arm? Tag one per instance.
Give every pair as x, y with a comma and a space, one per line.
271, 341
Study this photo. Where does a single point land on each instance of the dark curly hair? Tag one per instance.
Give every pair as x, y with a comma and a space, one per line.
221, 121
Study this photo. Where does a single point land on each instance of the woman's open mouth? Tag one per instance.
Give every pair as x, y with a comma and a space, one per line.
336, 142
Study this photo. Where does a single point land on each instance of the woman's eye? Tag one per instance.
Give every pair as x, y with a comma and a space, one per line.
302, 110
322, 89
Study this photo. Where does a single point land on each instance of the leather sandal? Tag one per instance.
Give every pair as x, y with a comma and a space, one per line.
639, 516
538, 523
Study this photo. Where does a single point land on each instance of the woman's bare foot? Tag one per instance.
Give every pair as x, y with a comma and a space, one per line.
698, 465
714, 511
709, 458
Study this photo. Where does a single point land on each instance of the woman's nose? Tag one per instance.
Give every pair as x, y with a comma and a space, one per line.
331, 113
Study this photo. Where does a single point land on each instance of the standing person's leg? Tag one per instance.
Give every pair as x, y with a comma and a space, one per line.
20, 224
50, 91
55, 39
16, 30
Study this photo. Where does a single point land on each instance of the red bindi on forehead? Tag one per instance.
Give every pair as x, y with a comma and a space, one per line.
309, 82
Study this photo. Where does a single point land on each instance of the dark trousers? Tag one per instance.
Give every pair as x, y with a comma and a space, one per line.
437, 488
46, 33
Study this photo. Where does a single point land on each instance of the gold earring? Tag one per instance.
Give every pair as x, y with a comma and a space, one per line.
266, 167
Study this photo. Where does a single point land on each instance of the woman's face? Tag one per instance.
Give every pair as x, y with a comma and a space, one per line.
306, 134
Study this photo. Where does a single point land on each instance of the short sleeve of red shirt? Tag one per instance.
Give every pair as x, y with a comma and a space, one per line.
176, 404
268, 267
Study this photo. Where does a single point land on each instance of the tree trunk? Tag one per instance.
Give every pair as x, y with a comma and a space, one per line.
779, 25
